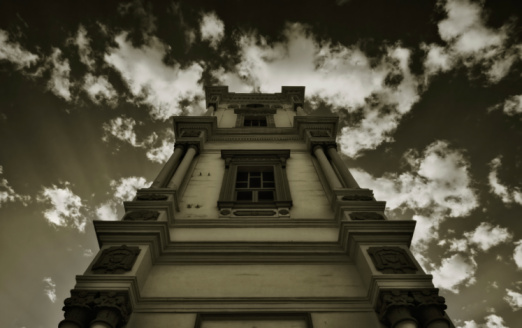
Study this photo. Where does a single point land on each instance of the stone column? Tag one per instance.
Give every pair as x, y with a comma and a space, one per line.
166, 172
333, 181
395, 309
183, 167
77, 310
112, 311
346, 176
430, 308
300, 111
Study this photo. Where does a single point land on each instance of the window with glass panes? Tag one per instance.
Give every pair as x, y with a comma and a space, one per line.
255, 184
255, 121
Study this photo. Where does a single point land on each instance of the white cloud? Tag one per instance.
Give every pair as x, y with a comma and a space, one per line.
511, 106
9, 195
123, 189
166, 89
212, 29
82, 41
517, 254
514, 299
486, 236
381, 89
100, 90
107, 211
65, 207
59, 82
492, 321
471, 42
50, 288
88, 252
15, 53
455, 271
508, 195
438, 179
162, 153
122, 128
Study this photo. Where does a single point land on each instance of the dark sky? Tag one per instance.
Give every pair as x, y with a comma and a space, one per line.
429, 95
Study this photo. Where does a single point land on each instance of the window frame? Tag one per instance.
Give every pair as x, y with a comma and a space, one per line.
275, 159
265, 113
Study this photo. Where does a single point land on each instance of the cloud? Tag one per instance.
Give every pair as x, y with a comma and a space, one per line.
514, 299
123, 189
122, 128
141, 14
486, 236
50, 288
506, 194
455, 271
517, 254
167, 90
65, 207
212, 29
15, 53
59, 82
100, 90
511, 106
9, 195
471, 42
492, 321
438, 179
378, 90
162, 153
82, 41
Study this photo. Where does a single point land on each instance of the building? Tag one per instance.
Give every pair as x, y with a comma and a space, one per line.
255, 221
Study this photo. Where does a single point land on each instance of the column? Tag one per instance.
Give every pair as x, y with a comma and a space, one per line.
300, 111
346, 176
400, 317
106, 318
183, 167
333, 181
166, 172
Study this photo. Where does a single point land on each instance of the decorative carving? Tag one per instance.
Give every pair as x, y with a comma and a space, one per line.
141, 215
116, 259
366, 216
357, 197
430, 307
395, 307
112, 309
319, 133
284, 212
77, 308
391, 260
191, 133
152, 197
225, 212
423, 305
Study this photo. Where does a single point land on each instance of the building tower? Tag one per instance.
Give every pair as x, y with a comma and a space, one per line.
254, 221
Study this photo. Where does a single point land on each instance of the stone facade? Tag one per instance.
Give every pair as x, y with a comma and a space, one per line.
255, 221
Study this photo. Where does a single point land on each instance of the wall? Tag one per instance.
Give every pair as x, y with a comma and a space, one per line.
254, 280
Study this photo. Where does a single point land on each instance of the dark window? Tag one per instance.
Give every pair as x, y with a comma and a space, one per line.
255, 184
247, 184
255, 121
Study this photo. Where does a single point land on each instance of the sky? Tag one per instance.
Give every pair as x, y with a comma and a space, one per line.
429, 95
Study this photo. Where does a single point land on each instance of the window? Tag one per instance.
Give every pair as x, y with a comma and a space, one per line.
255, 184
254, 121
255, 179
255, 117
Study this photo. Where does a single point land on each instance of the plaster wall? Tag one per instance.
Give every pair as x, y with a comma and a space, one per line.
284, 118
225, 117
254, 234
201, 195
254, 280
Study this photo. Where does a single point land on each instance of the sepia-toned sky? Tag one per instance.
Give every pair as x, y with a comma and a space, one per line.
429, 94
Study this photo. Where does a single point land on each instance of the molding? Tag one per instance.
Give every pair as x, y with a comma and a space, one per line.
116, 260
